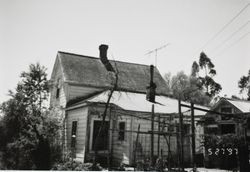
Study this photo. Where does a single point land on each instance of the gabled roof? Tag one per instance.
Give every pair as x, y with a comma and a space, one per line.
137, 102
242, 105
90, 71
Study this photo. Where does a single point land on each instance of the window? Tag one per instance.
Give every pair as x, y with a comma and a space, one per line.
58, 88
57, 92
186, 129
121, 134
226, 110
171, 128
73, 134
227, 129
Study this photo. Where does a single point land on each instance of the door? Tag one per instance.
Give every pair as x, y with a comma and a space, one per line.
102, 143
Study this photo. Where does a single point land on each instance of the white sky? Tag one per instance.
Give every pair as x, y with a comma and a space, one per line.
34, 30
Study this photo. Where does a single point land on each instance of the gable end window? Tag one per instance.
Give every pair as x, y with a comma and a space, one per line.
58, 86
121, 133
73, 134
57, 92
226, 109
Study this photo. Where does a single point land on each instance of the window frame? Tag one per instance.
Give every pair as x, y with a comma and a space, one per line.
74, 134
58, 88
121, 132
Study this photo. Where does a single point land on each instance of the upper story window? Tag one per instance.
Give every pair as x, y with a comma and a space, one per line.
226, 109
58, 87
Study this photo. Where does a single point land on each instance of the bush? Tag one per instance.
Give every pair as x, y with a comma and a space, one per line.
76, 166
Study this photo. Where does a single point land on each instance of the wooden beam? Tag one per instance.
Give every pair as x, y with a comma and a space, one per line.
181, 136
193, 137
152, 135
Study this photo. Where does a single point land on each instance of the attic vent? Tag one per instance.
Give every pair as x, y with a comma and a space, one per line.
103, 56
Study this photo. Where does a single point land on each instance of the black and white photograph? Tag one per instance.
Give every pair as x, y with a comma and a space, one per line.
125, 85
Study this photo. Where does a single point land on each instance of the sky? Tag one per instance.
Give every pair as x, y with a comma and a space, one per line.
34, 30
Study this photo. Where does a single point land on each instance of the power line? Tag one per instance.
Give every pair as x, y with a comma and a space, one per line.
235, 42
225, 26
234, 33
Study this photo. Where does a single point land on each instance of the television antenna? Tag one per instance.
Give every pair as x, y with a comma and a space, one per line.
156, 51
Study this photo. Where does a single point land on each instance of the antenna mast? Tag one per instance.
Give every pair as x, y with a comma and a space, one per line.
155, 51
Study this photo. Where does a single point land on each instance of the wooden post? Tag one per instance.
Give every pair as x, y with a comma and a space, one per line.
178, 145
136, 143
181, 135
152, 136
169, 140
158, 143
193, 137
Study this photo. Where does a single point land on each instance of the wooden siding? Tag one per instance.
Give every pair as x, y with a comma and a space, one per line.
62, 99
123, 151
145, 139
79, 115
80, 91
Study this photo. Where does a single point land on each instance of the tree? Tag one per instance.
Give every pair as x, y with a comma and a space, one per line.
206, 82
196, 88
167, 78
27, 144
244, 84
185, 87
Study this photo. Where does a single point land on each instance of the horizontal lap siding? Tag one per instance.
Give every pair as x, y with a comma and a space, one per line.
79, 115
80, 91
61, 100
126, 148
145, 139
121, 149
62, 97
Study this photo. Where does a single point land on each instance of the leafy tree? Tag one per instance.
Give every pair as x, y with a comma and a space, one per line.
206, 82
167, 78
185, 87
244, 84
195, 69
27, 143
196, 88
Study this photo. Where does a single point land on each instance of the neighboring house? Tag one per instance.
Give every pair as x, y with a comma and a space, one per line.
80, 87
223, 125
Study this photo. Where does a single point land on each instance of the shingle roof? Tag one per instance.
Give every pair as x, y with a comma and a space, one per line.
90, 71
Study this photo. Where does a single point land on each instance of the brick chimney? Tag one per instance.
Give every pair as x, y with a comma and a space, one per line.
104, 59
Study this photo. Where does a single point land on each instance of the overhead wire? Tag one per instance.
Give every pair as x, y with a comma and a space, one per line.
230, 36
235, 42
224, 27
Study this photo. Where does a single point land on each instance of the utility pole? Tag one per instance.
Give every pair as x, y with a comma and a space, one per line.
193, 137
155, 51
